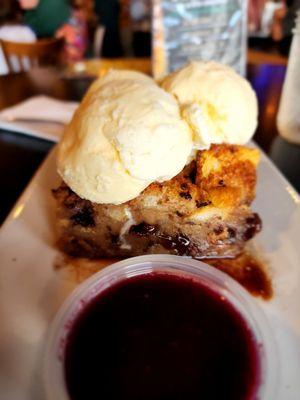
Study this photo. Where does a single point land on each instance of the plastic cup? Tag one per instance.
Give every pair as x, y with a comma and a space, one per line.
221, 283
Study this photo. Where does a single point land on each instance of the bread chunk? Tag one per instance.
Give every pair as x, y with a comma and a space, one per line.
203, 212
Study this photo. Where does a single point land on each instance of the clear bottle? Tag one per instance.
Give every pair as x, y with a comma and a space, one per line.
288, 118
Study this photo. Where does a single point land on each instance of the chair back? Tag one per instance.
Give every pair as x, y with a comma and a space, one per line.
22, 56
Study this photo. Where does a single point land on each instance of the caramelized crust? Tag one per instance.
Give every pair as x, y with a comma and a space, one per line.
202, 212
228, 174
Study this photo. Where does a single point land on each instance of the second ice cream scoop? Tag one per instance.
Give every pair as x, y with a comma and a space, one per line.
218, 104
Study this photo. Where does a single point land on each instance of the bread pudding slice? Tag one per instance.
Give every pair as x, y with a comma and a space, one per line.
203, 212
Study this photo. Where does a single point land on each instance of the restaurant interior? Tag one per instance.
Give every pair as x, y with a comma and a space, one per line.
156, 129
80, 40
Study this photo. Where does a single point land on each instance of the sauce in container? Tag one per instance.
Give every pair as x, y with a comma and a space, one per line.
160, 327
160, 336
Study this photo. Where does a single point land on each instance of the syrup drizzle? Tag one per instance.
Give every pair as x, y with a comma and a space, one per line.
248, 271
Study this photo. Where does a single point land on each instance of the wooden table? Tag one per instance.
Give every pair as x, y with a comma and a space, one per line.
20, 155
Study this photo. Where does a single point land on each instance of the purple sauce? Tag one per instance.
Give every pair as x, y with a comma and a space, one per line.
160, 336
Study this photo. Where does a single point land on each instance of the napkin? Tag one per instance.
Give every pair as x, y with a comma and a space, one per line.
40, 116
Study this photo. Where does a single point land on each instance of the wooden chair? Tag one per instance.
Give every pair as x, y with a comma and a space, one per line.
28, 55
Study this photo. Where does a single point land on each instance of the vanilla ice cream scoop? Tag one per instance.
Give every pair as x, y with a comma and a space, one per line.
218, 104
126, 134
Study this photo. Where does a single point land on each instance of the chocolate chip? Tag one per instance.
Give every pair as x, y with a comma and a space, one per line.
185, 195
192, 176
179, 214
184, 186
179, 243
253, 226
231, 233
221, 182
219, 230
183, 240
115, 239
200, 203
84, 217
143, 229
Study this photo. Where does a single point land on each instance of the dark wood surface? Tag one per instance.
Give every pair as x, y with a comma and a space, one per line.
48, 80
40, 52
20, 155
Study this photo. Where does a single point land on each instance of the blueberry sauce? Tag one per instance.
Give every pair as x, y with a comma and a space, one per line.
161, 336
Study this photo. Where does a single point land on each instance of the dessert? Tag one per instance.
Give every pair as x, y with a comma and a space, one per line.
149, 169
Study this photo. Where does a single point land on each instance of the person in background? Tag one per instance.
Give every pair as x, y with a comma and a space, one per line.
283, 23
108, 12
140, 11
126, 28
12, 29
255, 10
58, 18
45, 17
270, 9
75, 34
276, 26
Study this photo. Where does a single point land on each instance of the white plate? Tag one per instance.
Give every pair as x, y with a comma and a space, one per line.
31, 290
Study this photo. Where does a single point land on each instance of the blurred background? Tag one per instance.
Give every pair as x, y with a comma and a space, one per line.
56, 48
122, 28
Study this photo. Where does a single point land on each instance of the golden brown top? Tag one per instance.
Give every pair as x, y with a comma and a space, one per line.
222, 177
